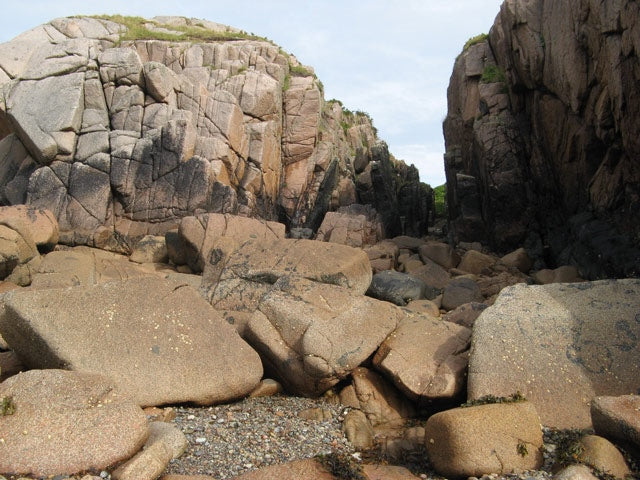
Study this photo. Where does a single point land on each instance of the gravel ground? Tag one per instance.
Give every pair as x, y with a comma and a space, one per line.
227, 440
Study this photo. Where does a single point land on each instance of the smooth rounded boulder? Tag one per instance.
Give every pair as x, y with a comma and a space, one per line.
66, 422
484, 439
159, 340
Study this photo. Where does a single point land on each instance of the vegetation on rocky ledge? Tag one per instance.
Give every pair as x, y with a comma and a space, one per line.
139, 28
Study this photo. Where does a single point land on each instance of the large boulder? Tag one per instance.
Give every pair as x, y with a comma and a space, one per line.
474, 441
355, 225
313, 335
239, 273
560, 345
199, 234
159, 341
426, 358
83, 266
57, 414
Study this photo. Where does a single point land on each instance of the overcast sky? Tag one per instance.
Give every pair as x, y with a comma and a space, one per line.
390, 58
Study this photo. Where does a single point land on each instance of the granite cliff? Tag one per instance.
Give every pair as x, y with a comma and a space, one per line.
122, 126
542, 135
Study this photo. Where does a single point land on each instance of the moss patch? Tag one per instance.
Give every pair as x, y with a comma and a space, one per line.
492, 74
342, 466
491, 399
7, 407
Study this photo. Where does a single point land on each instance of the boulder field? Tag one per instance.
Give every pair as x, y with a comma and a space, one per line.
102, 336
187, 226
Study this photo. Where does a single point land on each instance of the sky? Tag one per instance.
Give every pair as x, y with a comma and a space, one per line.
389, 58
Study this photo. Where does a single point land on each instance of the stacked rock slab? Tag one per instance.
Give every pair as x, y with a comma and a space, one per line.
158, 340
560, 345
122, 137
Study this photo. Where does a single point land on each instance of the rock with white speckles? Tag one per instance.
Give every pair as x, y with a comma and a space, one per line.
560, 345
58, 414
159, 341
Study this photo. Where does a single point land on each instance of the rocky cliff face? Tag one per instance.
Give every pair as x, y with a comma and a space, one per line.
123, 126
543, 134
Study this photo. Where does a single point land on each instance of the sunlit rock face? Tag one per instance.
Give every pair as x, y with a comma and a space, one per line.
123, 126
542, 135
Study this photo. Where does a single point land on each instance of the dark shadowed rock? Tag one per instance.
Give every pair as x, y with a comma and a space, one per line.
459, 291
399, 288
542, 138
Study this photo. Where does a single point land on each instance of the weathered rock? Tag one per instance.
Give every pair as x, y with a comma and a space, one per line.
466, 314
541, 136
475, 262
16, 245
83, 266
238, 274
474, 441
158, 340
355, 225
440, 253
387, 472
310, 334
426, 307
563, 274
198, 235
266, 388
130, 137
296, 470
409, 243
81, 409
518, 259
381, 402
425, 358
42, 225
617, 418
150, 249
575, 472
459, 291
165, 443
580, 339
399, 288
603, 456
432, 274
358, 430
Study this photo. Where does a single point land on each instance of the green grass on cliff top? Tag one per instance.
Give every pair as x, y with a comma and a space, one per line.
138, 29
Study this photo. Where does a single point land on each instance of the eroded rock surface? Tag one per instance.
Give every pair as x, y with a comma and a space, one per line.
561, 345
542, 135
122, 138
